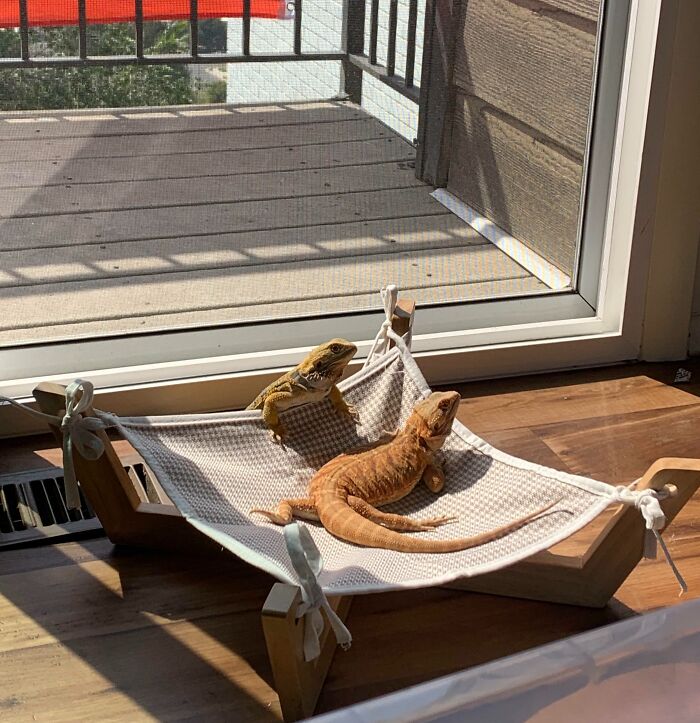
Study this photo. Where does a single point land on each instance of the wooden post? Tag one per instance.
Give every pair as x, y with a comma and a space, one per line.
353, 43
297, 682
402, 320
436, 105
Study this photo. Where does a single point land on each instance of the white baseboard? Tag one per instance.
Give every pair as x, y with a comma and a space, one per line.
539, 267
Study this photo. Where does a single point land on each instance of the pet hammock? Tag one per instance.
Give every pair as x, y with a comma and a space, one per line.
216, 467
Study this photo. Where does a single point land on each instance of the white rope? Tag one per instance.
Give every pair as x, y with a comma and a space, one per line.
647, 502
390, 297
307, 563
78, 432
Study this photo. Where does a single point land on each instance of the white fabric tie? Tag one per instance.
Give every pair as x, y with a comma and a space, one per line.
77, 431
307, 563
390, 297
647, 502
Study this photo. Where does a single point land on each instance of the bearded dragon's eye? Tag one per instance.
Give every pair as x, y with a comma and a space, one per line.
335, 348
444, 404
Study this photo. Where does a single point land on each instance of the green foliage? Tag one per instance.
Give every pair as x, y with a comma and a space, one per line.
211, 93
212, 36
95, 87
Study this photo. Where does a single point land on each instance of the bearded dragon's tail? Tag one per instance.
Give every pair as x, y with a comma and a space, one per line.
342, 521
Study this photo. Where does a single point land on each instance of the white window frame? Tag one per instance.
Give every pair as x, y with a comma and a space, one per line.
464, 342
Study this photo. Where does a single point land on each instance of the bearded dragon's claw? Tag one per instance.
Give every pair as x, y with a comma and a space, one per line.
433, 522
271, 516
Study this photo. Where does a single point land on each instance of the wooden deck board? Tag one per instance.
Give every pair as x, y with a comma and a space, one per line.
243, 214
24, 267
143, 636
304, 287
204, 164
187, 192
16, 126
205, 140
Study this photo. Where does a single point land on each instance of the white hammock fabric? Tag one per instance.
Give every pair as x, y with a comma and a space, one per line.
217, 467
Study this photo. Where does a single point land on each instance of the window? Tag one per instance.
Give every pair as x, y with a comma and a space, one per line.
168, 242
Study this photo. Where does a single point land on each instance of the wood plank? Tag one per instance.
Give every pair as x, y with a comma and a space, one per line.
526, 187
588, 9
187, 192
249, 216
524, 443
622, 447
357, 238
465, 291
204, 594
568, 403
108, 633
445, 631
435, 108
104, 299
43, 557
129, 675
155, 143
533, 65
103, 123
203, 164
664, 373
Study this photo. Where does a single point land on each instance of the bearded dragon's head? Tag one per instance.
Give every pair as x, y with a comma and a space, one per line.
328, 360
433, 416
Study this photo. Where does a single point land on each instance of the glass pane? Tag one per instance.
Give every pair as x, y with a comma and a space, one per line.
171, 193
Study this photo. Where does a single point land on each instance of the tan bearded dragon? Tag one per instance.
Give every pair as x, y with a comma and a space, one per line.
344, 492
310, 381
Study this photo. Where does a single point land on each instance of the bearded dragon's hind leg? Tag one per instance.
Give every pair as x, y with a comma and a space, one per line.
342, 407
288, 509
396, 522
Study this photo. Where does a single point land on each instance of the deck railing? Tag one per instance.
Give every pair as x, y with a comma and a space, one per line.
352, 53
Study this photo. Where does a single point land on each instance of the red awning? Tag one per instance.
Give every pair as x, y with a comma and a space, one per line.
65, 12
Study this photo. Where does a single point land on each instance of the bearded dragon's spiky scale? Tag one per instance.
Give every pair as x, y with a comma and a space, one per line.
344, 493
310, 381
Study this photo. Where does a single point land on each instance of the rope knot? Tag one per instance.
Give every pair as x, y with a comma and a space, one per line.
390, 297
647, 501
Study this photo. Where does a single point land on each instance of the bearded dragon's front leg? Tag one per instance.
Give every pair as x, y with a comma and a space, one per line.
336, 398
434, 477
271, 416
288, 509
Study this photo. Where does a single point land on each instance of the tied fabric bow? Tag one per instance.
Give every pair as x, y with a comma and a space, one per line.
78, 432
307, 562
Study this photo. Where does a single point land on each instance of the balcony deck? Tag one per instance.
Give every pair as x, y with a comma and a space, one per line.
127, 221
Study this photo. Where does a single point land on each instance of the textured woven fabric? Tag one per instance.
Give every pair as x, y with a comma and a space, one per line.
217, 467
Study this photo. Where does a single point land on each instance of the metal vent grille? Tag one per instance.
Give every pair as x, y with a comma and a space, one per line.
33, 504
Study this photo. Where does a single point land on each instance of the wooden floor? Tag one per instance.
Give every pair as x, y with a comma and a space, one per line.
90, 633
123, 221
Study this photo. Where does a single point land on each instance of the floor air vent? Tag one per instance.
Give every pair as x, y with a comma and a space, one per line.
33, 505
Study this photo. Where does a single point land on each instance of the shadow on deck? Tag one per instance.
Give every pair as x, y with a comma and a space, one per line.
121, 221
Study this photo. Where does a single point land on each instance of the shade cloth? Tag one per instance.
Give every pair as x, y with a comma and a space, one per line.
65, 12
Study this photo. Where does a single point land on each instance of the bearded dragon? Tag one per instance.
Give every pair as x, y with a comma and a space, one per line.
310, 381
344, 492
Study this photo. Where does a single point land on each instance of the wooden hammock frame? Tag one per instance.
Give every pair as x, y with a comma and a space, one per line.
588, 578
